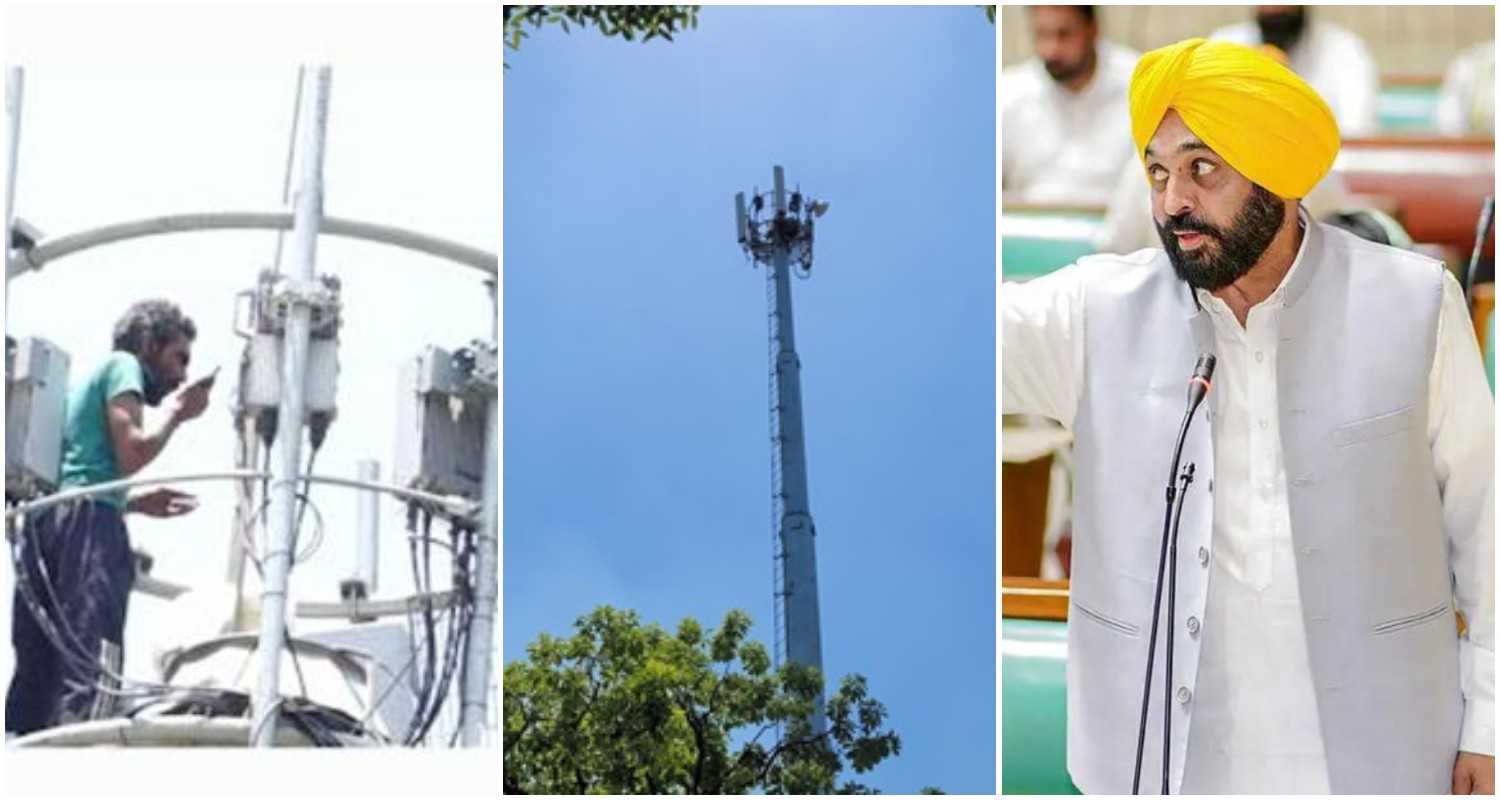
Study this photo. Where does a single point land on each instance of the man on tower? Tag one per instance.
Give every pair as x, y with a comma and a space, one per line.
84, 545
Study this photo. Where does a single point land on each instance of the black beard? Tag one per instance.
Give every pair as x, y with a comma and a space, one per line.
1062, 72
1283, 28
1239, 247
153, 388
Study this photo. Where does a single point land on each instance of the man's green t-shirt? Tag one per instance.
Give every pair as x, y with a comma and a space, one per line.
88, 453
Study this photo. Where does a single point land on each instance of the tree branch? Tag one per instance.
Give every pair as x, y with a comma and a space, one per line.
700, 741
745, 751
781, 749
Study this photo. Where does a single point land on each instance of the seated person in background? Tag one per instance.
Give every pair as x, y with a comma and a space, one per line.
1370, 224
1330, 58
1065, 111
1466, 104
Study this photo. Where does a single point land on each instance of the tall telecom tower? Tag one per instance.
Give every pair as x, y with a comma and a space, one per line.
783, 242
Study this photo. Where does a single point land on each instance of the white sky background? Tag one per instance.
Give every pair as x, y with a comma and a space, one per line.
416, 149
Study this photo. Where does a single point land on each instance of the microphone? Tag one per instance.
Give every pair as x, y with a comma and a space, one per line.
1198, 385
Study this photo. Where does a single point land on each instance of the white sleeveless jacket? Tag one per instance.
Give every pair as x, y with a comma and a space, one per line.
1372, 554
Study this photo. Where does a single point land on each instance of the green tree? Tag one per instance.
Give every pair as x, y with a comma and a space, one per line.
628, 22
626, 708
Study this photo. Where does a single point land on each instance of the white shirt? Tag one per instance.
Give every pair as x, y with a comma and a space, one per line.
1466, 103
1059, 146
1336, 63
1255, 726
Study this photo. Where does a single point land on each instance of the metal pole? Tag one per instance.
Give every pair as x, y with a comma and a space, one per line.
308, 214
56, 247
804, 638
474, 708
367, 528
14, 82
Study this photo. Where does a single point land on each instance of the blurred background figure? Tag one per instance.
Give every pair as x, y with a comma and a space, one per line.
1334, 60
1065, 111
1466, 102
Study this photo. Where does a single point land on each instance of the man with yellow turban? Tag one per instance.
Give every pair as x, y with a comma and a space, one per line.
1343, 506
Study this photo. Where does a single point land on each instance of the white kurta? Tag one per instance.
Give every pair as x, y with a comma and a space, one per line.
1255, 726
1059, 146
1336, 63
1255, 722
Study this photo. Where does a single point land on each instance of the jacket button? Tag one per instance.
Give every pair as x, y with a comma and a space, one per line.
1184, 694
1192, 624
1203, 556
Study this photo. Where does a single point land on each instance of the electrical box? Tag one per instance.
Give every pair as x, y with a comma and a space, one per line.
260, 381
260, 318
36, 383
442, 399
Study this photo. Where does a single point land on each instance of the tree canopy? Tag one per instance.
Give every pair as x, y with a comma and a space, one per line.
623, 707
627, 22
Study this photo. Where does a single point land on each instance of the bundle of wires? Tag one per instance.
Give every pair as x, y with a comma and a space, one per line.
437, 677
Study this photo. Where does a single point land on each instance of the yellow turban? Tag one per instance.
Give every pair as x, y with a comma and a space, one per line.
1255, 113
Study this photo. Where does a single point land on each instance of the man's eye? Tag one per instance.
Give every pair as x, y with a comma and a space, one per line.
1201, 168
1157, 174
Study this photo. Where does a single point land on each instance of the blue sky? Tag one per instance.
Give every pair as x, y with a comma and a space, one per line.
636, 433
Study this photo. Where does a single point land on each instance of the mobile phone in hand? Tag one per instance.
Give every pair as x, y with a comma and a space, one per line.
208, 379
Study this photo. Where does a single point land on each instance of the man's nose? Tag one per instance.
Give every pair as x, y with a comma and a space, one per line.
1178, 198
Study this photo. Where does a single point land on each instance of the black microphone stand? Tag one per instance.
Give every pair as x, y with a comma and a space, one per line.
1169, 524
1486, 218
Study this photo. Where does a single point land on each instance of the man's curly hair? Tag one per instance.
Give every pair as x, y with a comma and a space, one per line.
152, 322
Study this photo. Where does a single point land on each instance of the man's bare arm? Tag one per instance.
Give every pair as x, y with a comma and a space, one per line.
134, 447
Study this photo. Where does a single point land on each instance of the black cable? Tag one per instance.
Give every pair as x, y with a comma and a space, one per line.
312, 458
422, 577
1166, 730
416, 727
292, 554
1486, 218
463, 542
457, 639
440, 686
452, 647
427, 585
